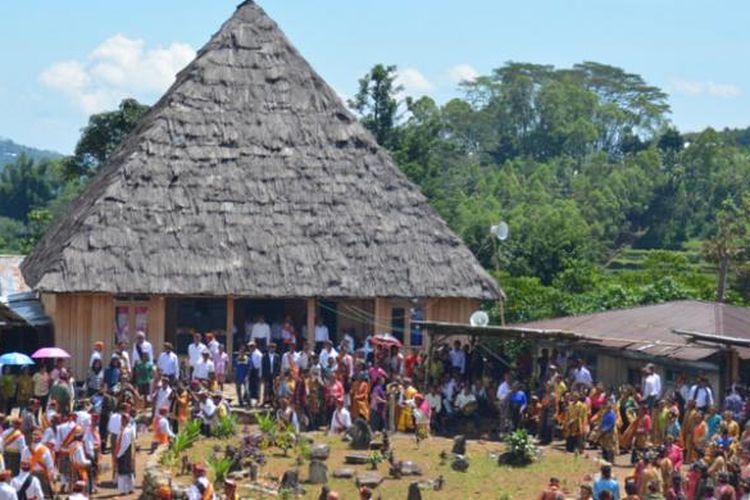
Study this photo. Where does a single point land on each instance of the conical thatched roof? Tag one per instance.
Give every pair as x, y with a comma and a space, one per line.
250, 177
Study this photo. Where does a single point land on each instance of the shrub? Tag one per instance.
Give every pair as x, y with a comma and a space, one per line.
225, 427
219, 468
521, 449
182, 441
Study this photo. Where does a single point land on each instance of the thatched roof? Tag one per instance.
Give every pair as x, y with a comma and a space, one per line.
250, 177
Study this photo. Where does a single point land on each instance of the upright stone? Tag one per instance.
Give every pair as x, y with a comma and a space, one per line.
361, 434
318, 472
320, 452
459, 445
414, 492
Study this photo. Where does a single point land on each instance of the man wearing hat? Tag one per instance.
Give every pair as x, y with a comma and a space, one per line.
13, 444
169, 363
207, 412
26, 485
124, 455
201, 489
41, 462
79, 462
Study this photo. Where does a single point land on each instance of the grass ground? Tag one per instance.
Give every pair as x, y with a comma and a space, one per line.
484, 479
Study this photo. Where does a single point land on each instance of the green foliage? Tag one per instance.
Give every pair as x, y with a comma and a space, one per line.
26, 186
184, 439
520, 449
219, 467
286, 439
226, 426
100, 138
375, 458
376, 103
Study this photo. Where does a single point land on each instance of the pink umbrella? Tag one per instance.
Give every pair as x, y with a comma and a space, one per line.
50, 352
385, 340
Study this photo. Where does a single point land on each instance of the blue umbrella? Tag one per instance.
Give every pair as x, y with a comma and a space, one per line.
15, 358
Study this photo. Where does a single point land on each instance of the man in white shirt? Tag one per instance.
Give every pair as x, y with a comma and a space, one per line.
256, 366
464, 398
7, 491
321, 335
261, 332
207, 412
651, 386
582, 375
341, 419
304, 357
195, 351
204, 367
141, 346
458, 357
169, 363
702, 395
163, 395
201, 489
503, 401
212, 344
26, 482
327, 352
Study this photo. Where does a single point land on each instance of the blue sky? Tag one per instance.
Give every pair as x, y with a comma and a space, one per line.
63, 60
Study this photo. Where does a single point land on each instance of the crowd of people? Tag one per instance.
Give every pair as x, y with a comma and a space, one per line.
681, 443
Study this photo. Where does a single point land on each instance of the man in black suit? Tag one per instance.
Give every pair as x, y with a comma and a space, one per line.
270, 369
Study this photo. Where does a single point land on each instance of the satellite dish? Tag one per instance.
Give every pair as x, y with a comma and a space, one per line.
500, 231
479, 318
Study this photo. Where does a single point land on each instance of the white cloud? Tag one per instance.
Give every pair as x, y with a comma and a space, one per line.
413, 82
462, 73
709, 88
119, 67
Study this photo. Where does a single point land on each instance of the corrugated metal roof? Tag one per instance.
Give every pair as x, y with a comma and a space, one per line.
651, 329
11, 279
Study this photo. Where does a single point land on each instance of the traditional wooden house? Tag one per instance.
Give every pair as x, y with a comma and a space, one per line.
249, 188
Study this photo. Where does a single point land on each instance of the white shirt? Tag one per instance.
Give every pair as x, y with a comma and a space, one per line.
436, 402
163, 395
164, 427
458, 359
702, 396
341, 420
78, 496
503, 391
303, 361
285, 360
324, 355
169, 364
321, 333
448, 389
115, 423
582, 375
257, 358
47, 459
208, 409
194, 493
146, 348
94, 356
261, 331
7, 492
202, 369
652, 385
34, 490
464, 399
195, 353
213, 348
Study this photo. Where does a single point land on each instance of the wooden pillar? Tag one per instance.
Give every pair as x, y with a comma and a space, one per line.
382, 315
156, 323
312, 313
229, 330
407, 323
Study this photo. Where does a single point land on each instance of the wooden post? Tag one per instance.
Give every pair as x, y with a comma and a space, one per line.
312, 312
230, 329
407, 323
382, 315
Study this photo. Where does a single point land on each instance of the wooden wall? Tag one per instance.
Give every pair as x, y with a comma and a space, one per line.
80, 320
452, 310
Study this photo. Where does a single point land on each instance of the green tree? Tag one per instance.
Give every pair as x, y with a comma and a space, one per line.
729, 242
101, 136
25, 185
377, 104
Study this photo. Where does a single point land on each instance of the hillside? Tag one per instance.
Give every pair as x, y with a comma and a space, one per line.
9, 151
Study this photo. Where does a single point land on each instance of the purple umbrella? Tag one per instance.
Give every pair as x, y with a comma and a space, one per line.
50, 352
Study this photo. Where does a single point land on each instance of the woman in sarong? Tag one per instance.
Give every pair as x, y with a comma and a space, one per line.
125, 455
692, 419
361, 397
406, 417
